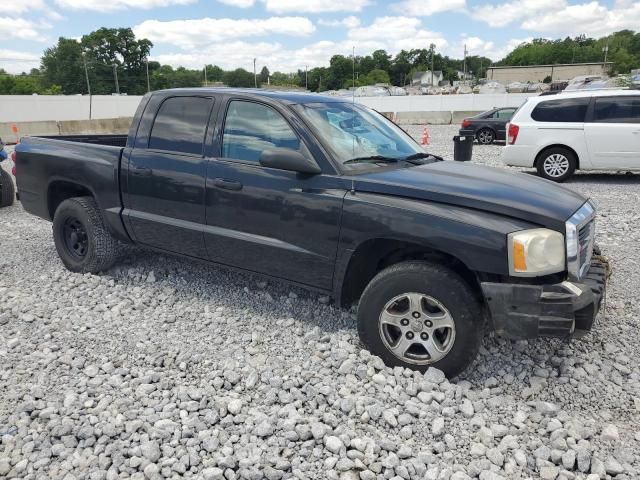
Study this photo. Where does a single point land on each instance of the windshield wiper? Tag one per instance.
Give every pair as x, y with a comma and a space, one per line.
419, 155
372, 159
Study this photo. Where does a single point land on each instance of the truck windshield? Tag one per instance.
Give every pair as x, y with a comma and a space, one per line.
358, 136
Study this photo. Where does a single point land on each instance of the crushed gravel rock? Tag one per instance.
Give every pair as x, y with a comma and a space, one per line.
166, 368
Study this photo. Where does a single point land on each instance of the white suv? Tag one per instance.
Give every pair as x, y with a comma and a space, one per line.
586, 130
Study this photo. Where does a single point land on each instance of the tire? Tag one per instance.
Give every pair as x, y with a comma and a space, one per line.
556, 164
7, 189
92, 249
442, 293
486, 136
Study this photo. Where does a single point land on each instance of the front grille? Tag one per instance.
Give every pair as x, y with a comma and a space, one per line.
580, 236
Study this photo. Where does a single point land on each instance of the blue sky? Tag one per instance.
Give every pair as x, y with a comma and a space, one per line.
288, 34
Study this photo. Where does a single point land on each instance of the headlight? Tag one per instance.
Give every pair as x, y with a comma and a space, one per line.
535, 252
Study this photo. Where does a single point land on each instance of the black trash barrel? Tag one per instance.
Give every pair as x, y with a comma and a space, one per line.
462, 148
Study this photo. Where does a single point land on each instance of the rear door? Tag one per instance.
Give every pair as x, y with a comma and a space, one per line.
613, 132
166, 177
278, 222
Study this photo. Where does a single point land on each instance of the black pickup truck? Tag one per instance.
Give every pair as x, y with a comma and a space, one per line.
332, 196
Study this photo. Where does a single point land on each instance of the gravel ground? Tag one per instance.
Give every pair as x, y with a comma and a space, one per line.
166, 368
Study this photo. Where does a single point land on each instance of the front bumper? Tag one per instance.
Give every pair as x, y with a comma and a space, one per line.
565, 309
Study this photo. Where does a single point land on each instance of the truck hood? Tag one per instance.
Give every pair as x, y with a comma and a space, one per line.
494, 190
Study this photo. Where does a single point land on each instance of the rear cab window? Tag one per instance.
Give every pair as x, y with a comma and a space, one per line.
180, 125
617, 109
561, 110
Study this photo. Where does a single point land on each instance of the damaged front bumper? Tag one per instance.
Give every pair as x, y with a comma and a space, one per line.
520, 311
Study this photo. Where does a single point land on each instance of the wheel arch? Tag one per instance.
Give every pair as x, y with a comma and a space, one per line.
556, 145
60, 190
373, 255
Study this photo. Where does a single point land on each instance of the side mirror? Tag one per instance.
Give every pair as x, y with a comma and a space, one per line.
288, 159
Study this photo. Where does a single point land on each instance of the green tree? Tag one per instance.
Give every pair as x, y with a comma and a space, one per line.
62, 65
214, 73
263, 76
239, 78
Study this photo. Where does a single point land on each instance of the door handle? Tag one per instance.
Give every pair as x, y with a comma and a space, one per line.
637, 132
142, 171
227, 184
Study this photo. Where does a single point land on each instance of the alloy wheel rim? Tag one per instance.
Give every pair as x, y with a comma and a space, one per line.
75, 238
417, 328
556, 165
485, 137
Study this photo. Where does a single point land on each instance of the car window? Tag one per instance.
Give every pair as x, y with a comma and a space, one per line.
561, 110
181, 124
617, 110
505, 114
251, 128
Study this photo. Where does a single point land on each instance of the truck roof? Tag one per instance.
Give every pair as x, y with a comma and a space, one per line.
288, 97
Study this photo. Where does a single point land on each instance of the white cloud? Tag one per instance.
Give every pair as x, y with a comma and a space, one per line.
515, 11
423, 8
591, 18
22, 28
24, 6
191, 33
303, 6
115, 5
348, 22
238, 3
395, 34
14, 61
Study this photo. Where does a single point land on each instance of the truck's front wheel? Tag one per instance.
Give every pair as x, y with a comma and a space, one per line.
82, 241
419, 315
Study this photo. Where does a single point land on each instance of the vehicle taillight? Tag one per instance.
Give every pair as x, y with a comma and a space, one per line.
466, 122
513, 130
13, 159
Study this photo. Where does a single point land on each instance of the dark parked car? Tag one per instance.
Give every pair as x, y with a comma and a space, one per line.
334, 197
7, 190
489, 126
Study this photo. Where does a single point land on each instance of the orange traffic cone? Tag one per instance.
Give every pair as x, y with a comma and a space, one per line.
14, 129
425, 136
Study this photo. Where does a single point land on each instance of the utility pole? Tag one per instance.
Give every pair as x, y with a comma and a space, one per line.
354, 70
148, 83
86, 75
306, 77
255, 77
464, 72
115, 76
205, 75
605, 49
432, 49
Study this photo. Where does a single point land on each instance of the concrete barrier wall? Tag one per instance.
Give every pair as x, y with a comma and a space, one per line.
36, 108
67, 127
31, 108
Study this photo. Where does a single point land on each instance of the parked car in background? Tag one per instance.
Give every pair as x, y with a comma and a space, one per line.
583, 130
7, 190
332, 196
487, 127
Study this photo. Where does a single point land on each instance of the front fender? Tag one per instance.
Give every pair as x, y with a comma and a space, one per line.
478, 239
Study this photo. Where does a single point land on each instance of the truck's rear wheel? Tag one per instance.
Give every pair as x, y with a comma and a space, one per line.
7, 190
82, 241
419, 315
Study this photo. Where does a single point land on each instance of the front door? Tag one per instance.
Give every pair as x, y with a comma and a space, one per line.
613, 134
166, 180
267, 220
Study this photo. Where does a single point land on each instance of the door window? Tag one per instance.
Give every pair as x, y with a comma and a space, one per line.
505, 114
251, 128
617, 110
561, 110
181, 124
